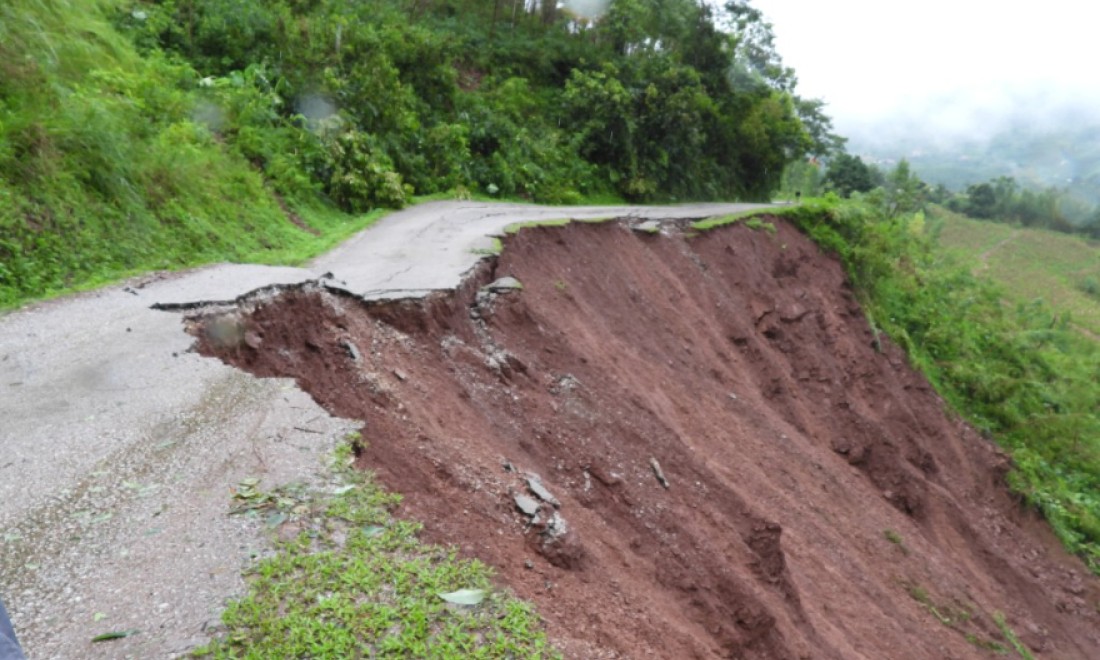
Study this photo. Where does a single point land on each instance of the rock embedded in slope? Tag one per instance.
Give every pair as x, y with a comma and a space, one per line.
504, 285
534, 484
526, 505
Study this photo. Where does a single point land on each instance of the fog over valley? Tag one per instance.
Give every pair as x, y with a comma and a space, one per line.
964, 90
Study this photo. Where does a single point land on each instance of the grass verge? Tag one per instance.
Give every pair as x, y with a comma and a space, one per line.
357, 582
516, 227
722, 220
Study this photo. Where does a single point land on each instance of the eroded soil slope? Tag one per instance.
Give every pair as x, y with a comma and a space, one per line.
733, 469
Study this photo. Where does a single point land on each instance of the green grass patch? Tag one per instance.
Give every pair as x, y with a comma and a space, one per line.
707, 224
895, 538
516, 227
357, 582
1010, 635
756, 224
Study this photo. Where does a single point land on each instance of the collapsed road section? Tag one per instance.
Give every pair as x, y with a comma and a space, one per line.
680, 445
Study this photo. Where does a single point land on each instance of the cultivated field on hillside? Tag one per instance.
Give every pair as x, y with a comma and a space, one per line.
1060, 269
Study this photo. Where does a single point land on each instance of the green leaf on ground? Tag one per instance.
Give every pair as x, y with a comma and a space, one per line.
464, 596
117, 634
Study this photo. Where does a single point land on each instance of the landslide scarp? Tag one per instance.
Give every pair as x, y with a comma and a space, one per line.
682, 446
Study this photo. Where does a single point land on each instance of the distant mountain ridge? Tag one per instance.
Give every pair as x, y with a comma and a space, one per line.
1066, 156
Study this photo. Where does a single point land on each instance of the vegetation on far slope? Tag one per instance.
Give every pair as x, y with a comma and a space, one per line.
1001, 199
1004, 200
1031, 264
1019, 372
1062, 153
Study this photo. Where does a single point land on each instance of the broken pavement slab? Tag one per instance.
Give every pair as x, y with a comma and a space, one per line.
534, 484
504, 285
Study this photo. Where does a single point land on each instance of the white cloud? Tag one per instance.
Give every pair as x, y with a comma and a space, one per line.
959, 64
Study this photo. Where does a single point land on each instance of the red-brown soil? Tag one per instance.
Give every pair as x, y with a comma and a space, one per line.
821, 503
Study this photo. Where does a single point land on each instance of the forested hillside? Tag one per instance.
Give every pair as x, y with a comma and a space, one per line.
147, 134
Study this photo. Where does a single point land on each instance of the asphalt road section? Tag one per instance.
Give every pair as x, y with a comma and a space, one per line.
120, 449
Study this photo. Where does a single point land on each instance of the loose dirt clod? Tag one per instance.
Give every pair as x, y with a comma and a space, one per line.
772, 544
658, 472
534, 484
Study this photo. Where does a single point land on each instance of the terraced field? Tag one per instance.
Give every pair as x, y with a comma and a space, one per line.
1031, 263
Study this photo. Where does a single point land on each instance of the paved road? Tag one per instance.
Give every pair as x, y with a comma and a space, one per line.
118, 448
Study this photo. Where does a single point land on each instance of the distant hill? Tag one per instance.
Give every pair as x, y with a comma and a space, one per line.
1065, 155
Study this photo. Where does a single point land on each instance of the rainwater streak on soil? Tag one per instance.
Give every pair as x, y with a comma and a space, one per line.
726, 466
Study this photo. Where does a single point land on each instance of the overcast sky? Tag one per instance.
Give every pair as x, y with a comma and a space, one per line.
958, 65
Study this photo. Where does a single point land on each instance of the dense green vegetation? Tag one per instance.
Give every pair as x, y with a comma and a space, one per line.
140, 134
1004, 200
104, 170
367, 101
1019, 371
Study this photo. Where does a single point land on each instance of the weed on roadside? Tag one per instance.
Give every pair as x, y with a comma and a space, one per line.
353, 581
493, 250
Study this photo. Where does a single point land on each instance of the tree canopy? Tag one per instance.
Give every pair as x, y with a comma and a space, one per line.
848, 174
139, 134
654, 99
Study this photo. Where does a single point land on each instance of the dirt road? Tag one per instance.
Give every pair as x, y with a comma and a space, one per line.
119, 449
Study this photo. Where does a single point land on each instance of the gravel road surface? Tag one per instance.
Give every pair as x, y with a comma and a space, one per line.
119, 449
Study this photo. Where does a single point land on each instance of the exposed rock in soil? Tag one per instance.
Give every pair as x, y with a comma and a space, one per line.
821, 502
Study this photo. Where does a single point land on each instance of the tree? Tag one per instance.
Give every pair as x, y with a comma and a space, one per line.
848, 174
755, 60
981, 201
802, 177
824, 142
904, 190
